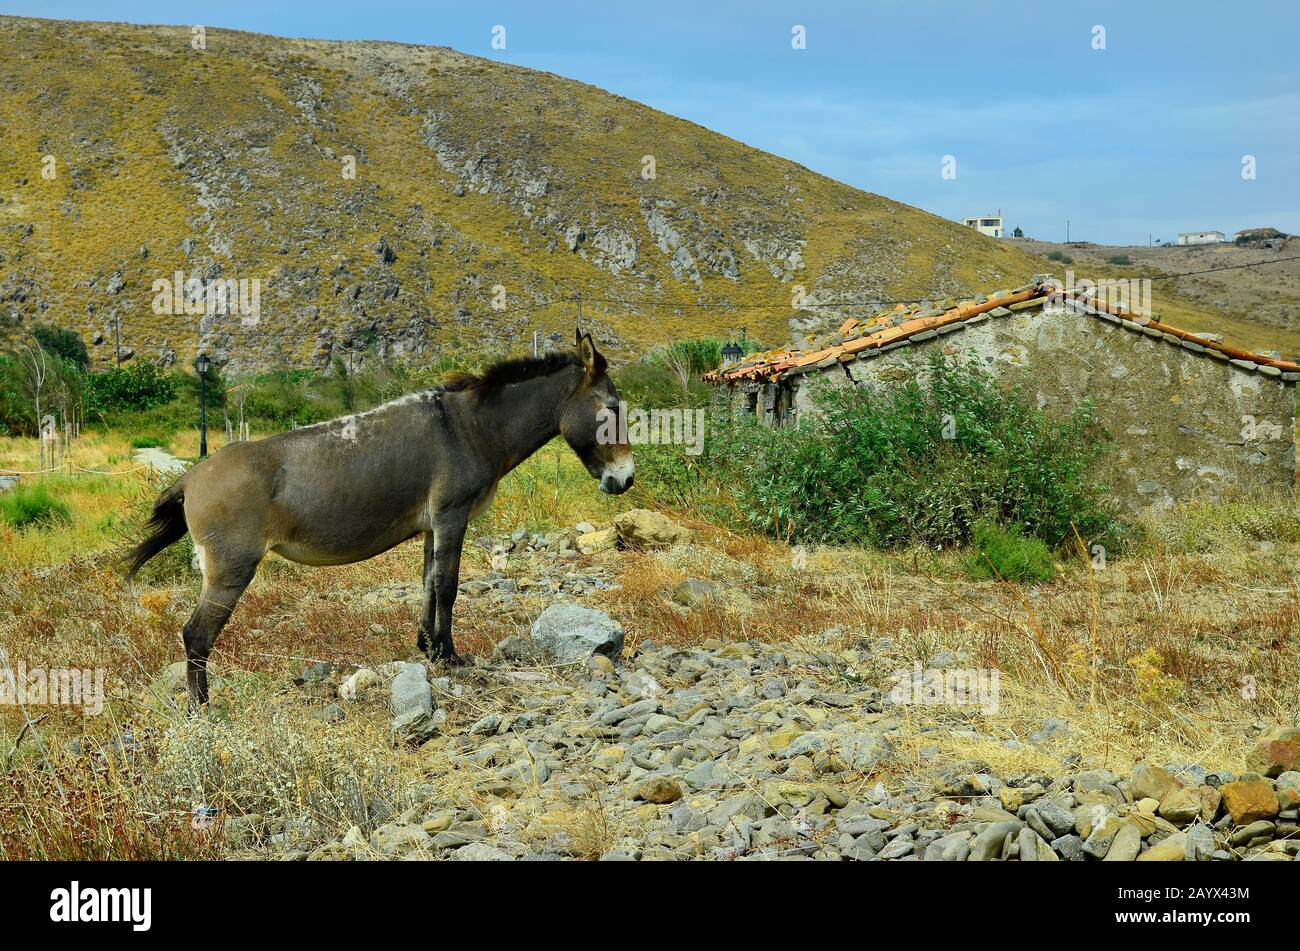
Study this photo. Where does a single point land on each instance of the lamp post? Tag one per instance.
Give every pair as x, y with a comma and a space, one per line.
202, 364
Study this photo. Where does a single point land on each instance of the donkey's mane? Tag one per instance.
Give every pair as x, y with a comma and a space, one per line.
506, 372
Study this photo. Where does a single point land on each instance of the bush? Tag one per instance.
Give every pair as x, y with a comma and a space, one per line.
918, 462
148, 442
33, 504
63, 343
1061, 257
1122, 260
1004, 552
134, 387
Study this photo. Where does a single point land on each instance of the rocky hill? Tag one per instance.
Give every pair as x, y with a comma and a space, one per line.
128, 156
412, 199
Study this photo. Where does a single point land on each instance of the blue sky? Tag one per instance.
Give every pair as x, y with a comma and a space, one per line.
1143, 138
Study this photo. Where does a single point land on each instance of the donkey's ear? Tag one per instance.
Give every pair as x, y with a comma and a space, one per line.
591, 358
577, 338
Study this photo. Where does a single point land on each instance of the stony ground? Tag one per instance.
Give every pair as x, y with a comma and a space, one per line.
563, 744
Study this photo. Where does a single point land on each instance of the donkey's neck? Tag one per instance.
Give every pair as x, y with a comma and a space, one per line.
522, 417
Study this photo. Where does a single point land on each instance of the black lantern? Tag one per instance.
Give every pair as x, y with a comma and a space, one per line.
731, 353
201, 364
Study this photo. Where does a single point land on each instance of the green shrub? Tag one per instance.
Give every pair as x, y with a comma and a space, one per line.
1004, 552
1122, 260
148, 442
917, 462
1061, 257
134, 387
63, 343
33, 504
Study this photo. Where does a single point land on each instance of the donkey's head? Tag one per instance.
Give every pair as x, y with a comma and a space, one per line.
592, 423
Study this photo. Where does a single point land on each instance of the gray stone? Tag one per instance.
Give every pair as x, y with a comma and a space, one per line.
570, 633
988, 844
410, 690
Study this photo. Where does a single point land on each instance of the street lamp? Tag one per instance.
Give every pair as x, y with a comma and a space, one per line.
202, 364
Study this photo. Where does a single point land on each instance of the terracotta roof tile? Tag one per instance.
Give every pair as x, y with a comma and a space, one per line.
893, 327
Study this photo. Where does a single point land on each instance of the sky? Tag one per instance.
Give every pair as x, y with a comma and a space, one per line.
1130, 121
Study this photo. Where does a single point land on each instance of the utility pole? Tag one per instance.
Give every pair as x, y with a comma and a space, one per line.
1067, 230
536, 335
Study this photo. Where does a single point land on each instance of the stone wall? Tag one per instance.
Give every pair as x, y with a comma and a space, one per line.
1184, 423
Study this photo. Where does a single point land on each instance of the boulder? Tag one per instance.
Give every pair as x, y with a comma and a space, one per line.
1150, 782
570, 633
410, 690
591, 542
642, 528
1249, 800
1277, 751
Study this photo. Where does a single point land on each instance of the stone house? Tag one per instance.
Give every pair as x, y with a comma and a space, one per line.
1189, 416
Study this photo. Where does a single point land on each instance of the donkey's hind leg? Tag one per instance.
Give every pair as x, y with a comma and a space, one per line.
429, 601
222, 586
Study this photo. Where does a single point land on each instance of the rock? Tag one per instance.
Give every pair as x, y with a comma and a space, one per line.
330, 714
399, 838
1150, 782
481, 852
1056, 817
1277, 751
1069, 847
570, 633
591, 542
1288, 789
692, 593
1200, 843
1249, 800
641, 528
361, 681
1181, 805
659, 790
415, 727
1172, 849
1053, 728
949, 848
1032, 848
988, 844
1102, 836
410, 690
1256, 833
519, 650
1124, 847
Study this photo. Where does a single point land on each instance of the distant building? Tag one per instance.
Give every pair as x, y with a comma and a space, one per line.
1200, 237
990, 225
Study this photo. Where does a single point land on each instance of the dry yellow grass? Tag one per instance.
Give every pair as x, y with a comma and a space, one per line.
1173, 631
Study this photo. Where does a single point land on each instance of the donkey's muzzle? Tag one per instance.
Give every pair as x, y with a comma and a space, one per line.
616, 484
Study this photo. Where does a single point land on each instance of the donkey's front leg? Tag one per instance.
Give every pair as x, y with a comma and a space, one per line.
448, 537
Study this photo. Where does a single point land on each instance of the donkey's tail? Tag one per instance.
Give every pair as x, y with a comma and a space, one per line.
165, 527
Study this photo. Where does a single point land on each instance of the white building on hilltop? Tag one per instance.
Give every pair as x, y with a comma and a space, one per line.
1201, 237
990, 225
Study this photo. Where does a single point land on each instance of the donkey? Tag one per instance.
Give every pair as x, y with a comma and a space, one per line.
350, 489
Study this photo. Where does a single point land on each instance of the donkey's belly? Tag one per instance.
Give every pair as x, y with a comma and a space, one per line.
320, 553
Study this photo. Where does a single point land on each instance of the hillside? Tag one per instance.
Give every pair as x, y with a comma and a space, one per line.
229, 163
